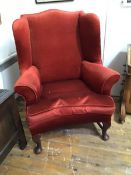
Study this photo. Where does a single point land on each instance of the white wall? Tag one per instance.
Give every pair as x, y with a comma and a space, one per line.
118, 36
9, 76
1, 82
10, 10
7, 45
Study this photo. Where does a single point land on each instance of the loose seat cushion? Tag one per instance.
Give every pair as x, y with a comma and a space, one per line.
67, 98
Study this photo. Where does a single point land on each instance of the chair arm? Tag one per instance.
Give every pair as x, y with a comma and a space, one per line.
99, 78
29, 85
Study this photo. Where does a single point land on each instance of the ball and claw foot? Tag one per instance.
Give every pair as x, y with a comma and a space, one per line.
105, 127
121, 121
22, 147
37, 149
105, 137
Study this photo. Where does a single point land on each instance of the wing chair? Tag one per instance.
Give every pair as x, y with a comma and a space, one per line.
62, 77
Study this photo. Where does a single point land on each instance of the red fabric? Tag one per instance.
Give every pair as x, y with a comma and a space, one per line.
65, 100
58, 58
40, 126
29, 85
51, 46
23, 45
64, 88
99, 78
90, 37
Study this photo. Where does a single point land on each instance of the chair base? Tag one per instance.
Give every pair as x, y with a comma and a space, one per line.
103, 125
38, 147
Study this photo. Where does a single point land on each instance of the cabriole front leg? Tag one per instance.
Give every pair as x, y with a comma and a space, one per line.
38, 147
106, 126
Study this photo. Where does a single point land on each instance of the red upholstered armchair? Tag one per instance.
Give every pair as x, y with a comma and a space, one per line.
62, 77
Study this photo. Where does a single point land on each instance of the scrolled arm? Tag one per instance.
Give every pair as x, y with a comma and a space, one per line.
29, 85
99, 78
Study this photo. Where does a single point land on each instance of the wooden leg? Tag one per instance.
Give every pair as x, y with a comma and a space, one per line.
21, 135
104, 126
123, 113
38, 147
123, 99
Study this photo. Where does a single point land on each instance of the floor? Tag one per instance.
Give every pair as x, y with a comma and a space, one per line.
74, 151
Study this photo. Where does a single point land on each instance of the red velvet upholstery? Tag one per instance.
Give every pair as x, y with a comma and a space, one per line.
101, 76
63, 101
29, 85
89, 27
62, 78
23, 44
47, 46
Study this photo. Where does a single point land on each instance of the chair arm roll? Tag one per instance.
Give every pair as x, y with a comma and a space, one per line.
99, 78
28, 85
